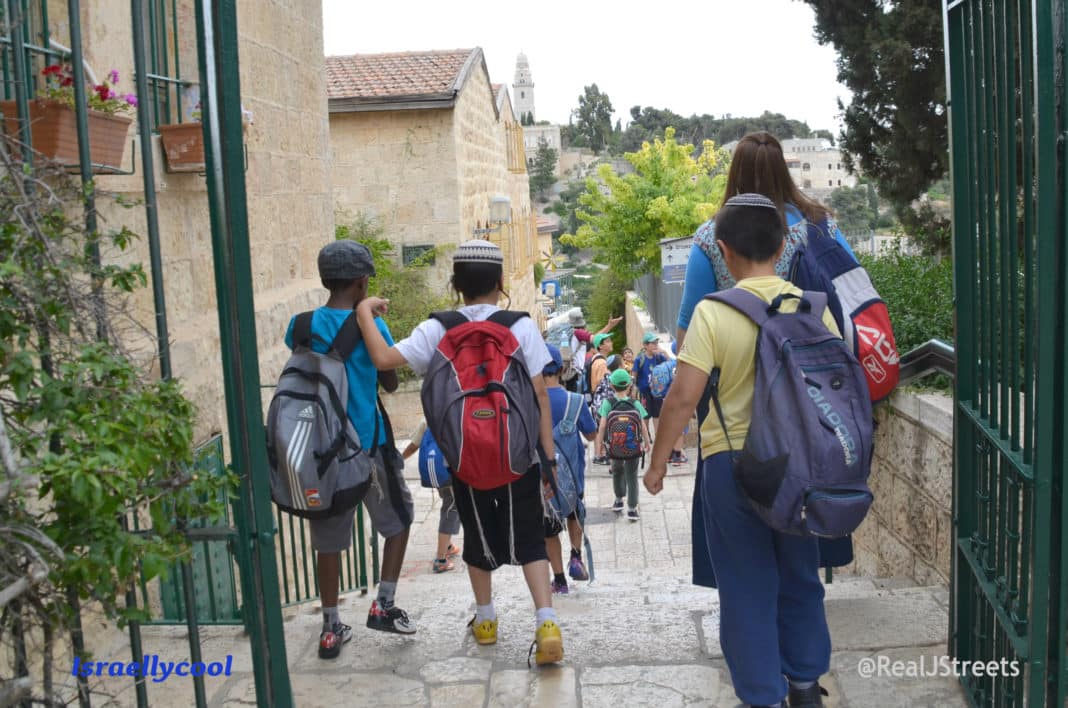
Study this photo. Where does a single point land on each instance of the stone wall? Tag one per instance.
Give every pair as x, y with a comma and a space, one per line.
908, 533
289, 200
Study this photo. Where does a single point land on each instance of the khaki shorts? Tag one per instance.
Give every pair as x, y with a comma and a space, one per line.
388, 503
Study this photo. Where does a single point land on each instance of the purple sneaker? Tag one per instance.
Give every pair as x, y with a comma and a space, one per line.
577, 569
560, 588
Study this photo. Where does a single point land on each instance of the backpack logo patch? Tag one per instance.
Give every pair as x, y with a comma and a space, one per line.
307, 413
849, 445
311, 496
484, 413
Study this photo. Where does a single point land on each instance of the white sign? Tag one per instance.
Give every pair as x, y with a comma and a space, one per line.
674, 255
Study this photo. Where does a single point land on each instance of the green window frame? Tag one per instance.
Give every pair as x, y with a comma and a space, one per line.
36, 39
411, 254
162, 38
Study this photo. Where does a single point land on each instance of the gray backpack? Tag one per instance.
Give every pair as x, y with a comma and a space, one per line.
805, 463
318, 468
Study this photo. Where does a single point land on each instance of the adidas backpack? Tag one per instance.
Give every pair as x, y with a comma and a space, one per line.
821, 264
433, 470
317, 467
479, 400
660, 378
569, 450
623, 430
805, 463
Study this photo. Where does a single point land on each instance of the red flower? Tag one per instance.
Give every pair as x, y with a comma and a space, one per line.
52, 69
103, 91
67, 81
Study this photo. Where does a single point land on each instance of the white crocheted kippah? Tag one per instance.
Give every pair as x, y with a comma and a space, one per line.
478, 251
751, 200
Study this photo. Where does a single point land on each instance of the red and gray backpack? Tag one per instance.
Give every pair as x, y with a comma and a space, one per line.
623, 430
479, 401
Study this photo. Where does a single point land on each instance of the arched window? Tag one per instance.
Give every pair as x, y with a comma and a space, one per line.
806, 167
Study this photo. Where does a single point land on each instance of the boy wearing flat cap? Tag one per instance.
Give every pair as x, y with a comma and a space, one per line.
344, 268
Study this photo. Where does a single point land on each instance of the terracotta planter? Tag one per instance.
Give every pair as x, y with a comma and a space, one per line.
183, 146
55, 133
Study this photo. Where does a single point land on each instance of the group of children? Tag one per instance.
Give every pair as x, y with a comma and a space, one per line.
763, 648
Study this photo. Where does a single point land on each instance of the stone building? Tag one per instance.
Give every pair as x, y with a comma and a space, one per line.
423, 143
524, 106
524, 90
289, 199
816, 167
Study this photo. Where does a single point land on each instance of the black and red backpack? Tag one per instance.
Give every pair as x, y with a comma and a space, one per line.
479, 401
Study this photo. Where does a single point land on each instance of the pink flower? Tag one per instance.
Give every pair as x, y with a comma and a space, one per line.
131, 99
113, 76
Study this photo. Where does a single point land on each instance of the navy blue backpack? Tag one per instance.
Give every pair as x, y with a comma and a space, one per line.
805, 463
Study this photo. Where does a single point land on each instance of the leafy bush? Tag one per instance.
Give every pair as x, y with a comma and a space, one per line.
608, 299
89, 436
919, 294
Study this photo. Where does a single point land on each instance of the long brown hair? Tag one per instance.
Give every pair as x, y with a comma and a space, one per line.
758, 166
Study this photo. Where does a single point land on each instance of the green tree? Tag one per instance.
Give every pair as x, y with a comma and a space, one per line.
411, 300
852, 208
668, 195
593, 118
890, 56
543, 173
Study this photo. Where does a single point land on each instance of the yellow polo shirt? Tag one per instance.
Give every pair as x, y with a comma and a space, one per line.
721, 336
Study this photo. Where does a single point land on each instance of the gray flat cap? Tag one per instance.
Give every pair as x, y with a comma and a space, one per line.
345, 260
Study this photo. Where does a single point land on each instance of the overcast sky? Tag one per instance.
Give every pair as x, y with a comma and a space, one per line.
715, 56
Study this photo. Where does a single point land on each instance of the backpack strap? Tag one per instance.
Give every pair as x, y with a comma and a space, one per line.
573, 409
743, 301
506, 318
449, 318
347, 337
817, 302
302, 330
713, 391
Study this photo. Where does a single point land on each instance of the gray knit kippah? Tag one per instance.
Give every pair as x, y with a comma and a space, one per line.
478, 251
751, 200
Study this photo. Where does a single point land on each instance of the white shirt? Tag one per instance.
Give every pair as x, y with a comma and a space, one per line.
418, 349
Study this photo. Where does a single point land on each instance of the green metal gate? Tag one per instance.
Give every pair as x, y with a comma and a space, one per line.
1006, 84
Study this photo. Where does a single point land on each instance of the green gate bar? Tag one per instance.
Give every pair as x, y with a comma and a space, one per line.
217, 44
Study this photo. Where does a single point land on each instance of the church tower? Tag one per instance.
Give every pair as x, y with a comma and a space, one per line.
523, 89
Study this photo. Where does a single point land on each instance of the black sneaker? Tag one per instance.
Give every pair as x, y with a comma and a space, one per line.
632, 515
617, 506
330, 641
392, 620
600, 460
811, 697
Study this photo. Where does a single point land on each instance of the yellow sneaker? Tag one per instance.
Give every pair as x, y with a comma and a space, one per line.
485, 631
549, 644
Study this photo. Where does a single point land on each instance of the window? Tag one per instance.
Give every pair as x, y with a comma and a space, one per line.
838, 166
424, 254
169, 97
830, 167
36, 39
839, 183
830, 183
522, 94
806, 167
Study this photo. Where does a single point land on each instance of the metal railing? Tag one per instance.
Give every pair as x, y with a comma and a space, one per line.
932, 357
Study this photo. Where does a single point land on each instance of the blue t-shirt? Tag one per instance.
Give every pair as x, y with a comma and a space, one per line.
363, 376
701, 276
643, 365
558, 405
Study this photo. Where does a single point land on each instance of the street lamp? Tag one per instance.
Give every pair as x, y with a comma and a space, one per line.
500, 213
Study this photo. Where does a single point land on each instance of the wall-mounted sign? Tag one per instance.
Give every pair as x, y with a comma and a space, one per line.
674, 255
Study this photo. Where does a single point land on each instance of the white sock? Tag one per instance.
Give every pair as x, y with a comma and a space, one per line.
386, 592
485, 612
801, 685
331, 617
544, 613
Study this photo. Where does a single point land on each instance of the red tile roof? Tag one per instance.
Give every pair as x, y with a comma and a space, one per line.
398, 76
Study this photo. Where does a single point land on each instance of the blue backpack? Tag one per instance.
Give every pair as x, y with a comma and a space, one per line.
660, 378
433, 470
569, 450
806, 459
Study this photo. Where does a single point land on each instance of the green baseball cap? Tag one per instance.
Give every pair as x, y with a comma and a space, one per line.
650, 337
619, 378
597, 339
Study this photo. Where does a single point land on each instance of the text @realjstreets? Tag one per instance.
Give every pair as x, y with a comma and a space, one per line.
880, 666
152, 667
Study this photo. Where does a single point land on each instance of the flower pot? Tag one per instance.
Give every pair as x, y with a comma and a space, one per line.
183, 146
54, 132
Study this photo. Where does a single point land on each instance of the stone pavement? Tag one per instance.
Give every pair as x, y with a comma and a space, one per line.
639, 634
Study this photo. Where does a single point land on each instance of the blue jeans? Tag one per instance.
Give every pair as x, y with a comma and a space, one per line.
772, 622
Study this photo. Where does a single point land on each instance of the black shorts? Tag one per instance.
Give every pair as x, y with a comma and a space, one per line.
553, 525
503, 526
652, 404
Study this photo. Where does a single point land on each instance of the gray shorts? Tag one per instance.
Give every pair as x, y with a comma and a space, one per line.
450, 515
388, 503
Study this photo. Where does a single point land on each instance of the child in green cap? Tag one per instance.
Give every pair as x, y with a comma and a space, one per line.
624, 431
